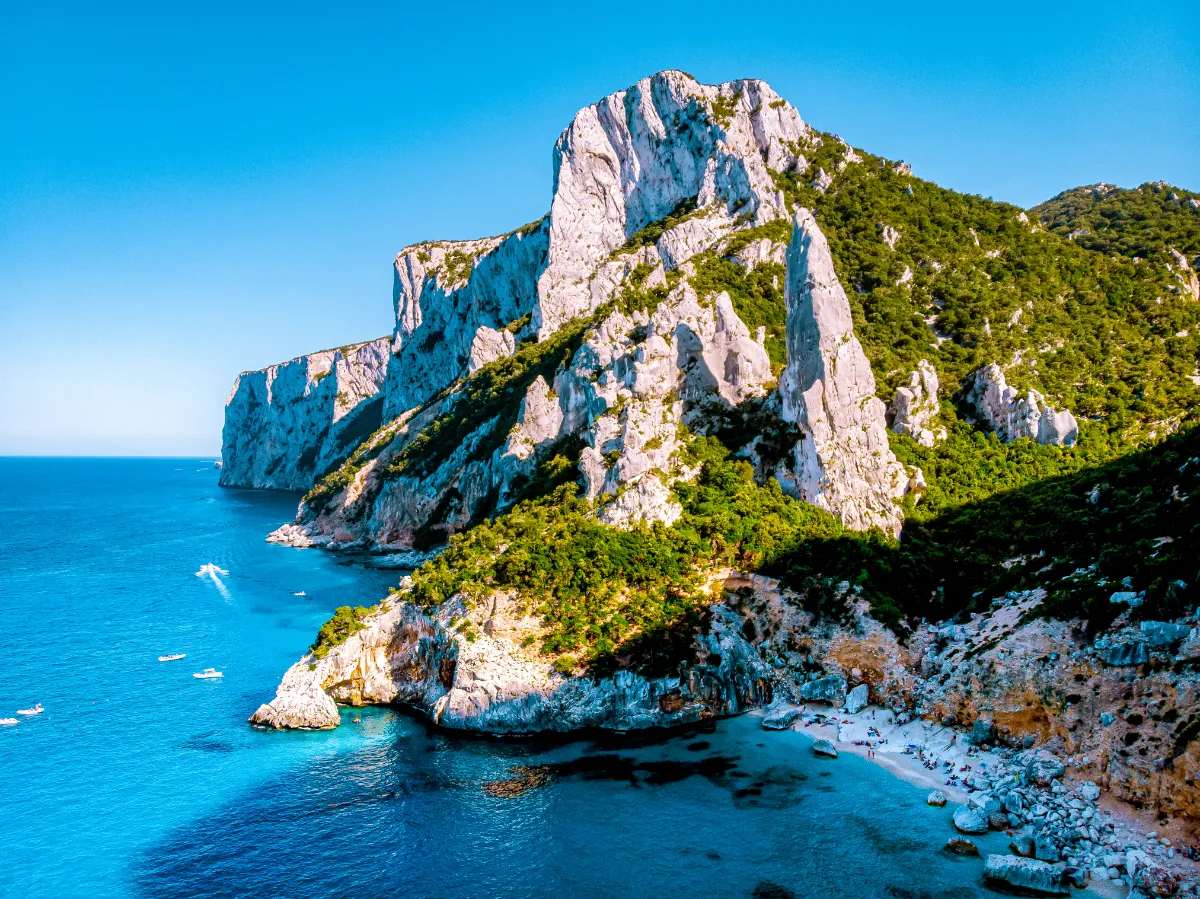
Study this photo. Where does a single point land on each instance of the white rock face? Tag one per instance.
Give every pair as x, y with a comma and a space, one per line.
842, 462
494, 683
635, 156
1013, 416
916, 404
638, 378
488, 346
288, 423
453, 301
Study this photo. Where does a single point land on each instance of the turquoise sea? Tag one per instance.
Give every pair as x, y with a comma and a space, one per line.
142, 781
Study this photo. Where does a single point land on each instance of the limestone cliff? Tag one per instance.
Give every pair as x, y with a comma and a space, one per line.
842, 462
288, 424
468, 666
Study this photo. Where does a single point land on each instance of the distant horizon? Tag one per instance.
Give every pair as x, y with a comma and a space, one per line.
181, 202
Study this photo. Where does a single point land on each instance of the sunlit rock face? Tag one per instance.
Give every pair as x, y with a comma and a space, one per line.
842, 461
287, 424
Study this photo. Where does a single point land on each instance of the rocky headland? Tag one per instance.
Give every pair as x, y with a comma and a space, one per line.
752, 420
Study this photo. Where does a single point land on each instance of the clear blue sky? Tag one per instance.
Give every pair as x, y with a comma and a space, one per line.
190, 190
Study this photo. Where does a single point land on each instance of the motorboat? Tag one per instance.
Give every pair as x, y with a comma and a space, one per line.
301, 593
173, 657
6, 722
208, 673
36, 710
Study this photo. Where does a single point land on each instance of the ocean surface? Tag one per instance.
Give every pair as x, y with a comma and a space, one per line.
142, 781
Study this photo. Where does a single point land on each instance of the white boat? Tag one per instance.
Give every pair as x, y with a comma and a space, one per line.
173, 657
207, 673
36, 710
301, 593
5, 722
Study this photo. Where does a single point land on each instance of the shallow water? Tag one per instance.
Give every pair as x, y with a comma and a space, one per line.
140, 780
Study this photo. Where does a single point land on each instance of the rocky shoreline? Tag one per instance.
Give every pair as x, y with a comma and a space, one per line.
1063, 831
940, 710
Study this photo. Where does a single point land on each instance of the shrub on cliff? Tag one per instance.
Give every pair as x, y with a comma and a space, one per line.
338, 629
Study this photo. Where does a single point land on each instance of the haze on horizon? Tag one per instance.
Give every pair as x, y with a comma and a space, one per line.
187, 195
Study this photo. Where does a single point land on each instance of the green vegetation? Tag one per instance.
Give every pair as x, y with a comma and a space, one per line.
723, 109
1030, 516
490, 397
650, 234
757, 294
1143, 222
457, 267
1105, 337
338, 629
322, 375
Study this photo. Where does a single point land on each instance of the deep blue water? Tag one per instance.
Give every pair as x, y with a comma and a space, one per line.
141, 781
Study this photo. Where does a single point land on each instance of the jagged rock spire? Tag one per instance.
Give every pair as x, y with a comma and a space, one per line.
842, 462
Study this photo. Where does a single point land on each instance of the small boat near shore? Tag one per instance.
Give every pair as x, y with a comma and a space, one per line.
208, 673
173, 657
36, 710
7, 722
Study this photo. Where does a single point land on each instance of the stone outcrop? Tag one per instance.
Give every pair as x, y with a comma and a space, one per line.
1013, 416
842, 462
287, 424
915, 405
467, 666
638, 154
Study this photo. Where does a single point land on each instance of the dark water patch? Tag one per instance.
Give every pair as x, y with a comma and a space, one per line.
613, 767
768, 889
207, 744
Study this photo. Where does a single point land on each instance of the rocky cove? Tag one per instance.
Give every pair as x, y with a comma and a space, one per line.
680, 368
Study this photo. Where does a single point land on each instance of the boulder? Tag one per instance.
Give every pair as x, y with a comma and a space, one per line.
1029, 874
856, 699
1012, 415
1045, 848
1164, 634
985, 802
1089, 791
1022, 844
915, 405
1127, 653
825, 748
970, 820
961, 846
1155, 880
983, 732
937, 799
1043, 767
831, 689
781, 718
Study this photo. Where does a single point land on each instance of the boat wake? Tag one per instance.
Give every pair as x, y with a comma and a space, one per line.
210, 570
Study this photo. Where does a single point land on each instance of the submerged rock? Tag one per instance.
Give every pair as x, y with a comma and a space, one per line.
961, 846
